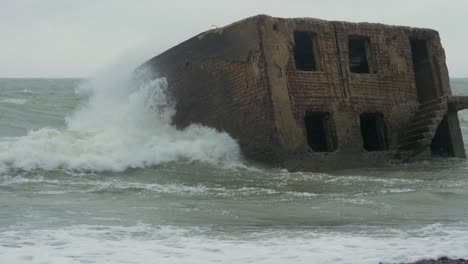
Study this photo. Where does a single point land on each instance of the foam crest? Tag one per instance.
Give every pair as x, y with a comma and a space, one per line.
122, 125
166, 244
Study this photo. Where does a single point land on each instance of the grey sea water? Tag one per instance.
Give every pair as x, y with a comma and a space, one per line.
94, 173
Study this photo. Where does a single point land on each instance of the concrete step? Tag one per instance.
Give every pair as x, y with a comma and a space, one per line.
439, 100
430, 108
424, 123
411, 138
419, 133
434, 114
419, 130
414, 144
406, 155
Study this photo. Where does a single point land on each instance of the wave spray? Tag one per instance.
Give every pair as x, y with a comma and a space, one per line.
120, 125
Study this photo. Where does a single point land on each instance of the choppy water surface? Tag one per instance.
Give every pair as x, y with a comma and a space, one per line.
94, 173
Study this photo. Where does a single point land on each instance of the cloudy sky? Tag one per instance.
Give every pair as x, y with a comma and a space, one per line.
75, 38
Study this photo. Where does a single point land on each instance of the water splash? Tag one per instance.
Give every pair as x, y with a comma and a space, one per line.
121, 125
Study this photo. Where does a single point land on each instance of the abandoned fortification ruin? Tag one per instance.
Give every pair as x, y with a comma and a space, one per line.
310, 94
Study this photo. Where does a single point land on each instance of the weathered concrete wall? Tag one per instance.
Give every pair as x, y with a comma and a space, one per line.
334, 89
219, 80
243, 79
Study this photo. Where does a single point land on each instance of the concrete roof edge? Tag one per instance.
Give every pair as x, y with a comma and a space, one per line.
371, 24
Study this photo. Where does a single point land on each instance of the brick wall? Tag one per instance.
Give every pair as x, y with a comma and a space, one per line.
218, 80
243, 79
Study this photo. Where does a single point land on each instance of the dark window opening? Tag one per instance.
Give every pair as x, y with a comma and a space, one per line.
441, 145
319, 134
422, 70
305, 51
359, 55
373, 132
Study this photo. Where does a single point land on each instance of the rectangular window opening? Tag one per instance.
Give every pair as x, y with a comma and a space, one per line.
359, 55
319, 134
305, 51
422, 70
373, 132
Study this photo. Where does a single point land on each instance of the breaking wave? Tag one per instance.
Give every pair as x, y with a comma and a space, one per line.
171, 244
121, 125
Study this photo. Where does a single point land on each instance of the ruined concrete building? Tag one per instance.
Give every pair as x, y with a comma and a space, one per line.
310, 94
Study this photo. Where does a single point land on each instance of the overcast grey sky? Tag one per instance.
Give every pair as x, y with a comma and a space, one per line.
74, 38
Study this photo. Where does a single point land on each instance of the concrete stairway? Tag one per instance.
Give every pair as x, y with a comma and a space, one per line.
421, 131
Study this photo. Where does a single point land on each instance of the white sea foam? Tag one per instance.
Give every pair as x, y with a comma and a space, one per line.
196, 190
165, 244
120, 126
6, 180
169, 188
17, 101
